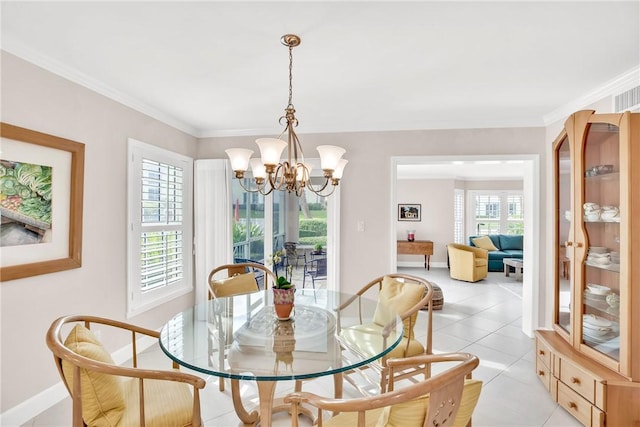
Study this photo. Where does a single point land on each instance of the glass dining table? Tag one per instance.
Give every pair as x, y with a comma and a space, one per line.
240, 338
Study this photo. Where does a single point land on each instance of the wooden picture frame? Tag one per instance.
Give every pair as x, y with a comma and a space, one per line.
62, 250
409, 212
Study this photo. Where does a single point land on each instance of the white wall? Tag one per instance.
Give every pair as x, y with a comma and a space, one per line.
38, 100
436, 198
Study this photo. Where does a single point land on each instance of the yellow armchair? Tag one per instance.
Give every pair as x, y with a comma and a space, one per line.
467, 263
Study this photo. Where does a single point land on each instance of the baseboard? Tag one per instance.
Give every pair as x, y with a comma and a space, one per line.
30, 408
37, 404
420, 264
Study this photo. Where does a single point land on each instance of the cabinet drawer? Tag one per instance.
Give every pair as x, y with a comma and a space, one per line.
543, 352
578, 379
575, 404
544, 374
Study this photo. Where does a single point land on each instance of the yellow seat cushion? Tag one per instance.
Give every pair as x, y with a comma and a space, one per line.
413, 412
396, 297
368, 339
236, 285
484, 242
166, 403
103, 401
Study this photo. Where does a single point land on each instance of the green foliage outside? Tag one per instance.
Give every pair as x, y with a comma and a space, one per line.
240, 231
313, 231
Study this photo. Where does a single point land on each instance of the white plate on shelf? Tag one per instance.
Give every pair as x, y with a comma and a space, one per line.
596, 321
598, 289
603, 340
590, 295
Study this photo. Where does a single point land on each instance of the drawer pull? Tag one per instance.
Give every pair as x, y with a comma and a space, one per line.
541, 352
541, 373
573, 405
575, 380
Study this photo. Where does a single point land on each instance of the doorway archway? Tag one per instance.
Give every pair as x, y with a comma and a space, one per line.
531, 189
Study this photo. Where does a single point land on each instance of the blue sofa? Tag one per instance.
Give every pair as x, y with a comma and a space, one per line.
509, 246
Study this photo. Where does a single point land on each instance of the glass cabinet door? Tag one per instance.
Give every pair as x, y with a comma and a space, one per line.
564, 228
601, 224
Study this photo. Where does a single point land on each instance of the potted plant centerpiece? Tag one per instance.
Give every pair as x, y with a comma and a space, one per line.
283, 289
283, 297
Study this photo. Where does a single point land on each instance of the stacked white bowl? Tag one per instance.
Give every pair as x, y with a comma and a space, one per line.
615, 257
591, 211
599, 255
610, 213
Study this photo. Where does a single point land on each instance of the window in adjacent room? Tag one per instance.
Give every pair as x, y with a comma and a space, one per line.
160, 185
497, 212
458, 216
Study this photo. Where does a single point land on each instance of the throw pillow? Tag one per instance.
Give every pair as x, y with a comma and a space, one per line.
396, 297
236, 285
484, 242
102, 394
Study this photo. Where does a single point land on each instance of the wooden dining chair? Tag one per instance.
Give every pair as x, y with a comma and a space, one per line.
236, 279
445, 399
396, 294
103, 393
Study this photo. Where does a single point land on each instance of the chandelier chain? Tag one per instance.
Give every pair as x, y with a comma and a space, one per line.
290, 76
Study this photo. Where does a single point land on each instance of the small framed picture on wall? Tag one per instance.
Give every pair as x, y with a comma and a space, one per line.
409, 212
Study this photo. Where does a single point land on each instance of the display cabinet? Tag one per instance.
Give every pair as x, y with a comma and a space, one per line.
590, 360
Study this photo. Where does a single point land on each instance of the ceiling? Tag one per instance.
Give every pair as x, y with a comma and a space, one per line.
218, 68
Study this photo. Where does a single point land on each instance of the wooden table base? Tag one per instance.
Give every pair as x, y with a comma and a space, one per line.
268, 404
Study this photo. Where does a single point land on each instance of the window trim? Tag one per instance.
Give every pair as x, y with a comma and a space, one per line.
137, 301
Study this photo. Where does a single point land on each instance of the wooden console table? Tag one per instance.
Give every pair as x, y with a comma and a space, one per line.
417, 247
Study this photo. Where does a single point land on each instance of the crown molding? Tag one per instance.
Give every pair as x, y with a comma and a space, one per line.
95, 85
624, 81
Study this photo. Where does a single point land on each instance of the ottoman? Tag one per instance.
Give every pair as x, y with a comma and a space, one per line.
438, 298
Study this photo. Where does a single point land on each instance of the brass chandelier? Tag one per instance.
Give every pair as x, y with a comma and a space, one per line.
293, 174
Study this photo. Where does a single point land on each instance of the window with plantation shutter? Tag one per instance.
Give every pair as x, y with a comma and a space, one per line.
160, 210
496, 212
458, 216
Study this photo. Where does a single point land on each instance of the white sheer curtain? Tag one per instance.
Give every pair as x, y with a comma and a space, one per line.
213, 220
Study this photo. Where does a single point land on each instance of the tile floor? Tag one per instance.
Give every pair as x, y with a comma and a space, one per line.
482, 318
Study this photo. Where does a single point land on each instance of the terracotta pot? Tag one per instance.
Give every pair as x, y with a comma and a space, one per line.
283, 302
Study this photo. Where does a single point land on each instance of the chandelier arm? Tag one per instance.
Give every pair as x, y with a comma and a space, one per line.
247, 189
319, 192
277, 179
259, 189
